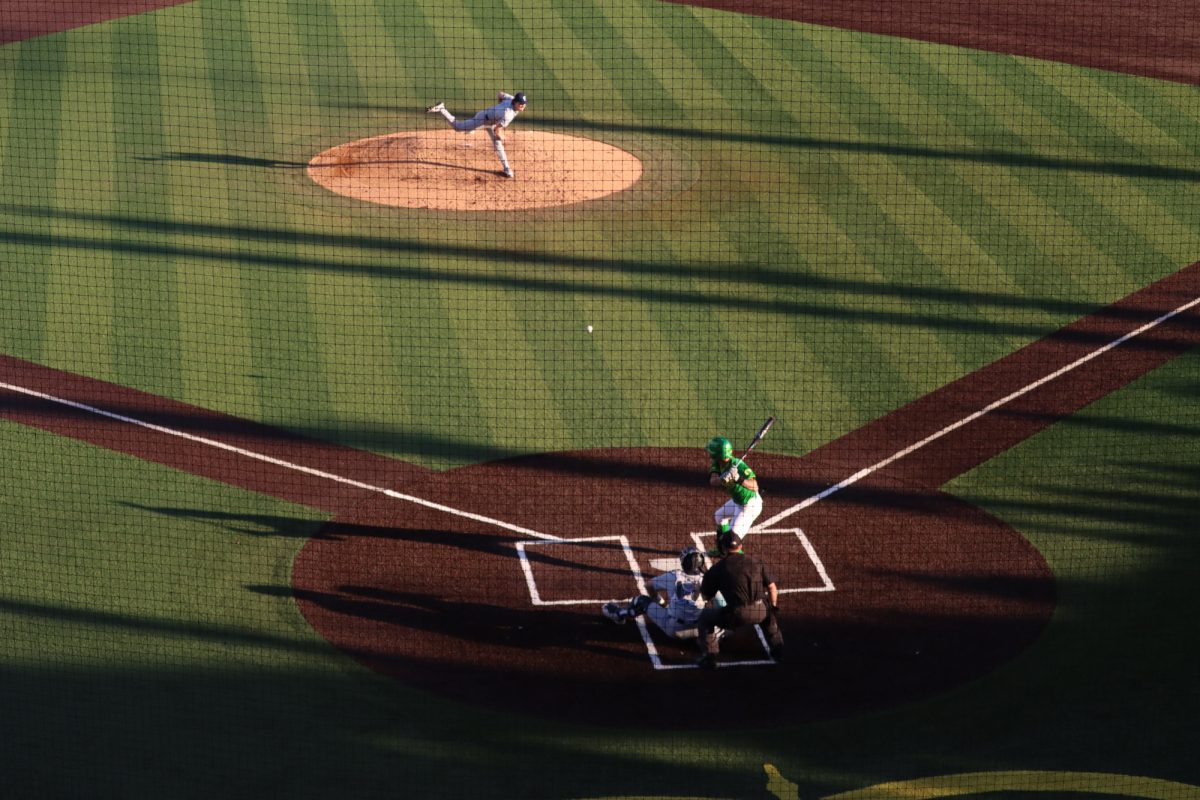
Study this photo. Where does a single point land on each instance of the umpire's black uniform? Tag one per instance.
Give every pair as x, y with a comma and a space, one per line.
744, 582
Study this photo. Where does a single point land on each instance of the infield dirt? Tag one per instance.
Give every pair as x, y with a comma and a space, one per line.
446, 170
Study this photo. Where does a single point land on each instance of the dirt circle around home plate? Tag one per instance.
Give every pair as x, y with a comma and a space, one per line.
889, 596
451, 171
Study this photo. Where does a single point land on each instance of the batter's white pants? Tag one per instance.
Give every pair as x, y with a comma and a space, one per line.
740, 518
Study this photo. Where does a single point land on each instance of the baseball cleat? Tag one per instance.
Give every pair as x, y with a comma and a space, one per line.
433, 109
612, 612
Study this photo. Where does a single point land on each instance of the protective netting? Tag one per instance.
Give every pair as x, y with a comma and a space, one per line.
340, 391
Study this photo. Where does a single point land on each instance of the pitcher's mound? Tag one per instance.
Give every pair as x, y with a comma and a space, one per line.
460, 172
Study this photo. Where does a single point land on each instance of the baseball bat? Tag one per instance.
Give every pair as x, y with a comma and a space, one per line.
758, 437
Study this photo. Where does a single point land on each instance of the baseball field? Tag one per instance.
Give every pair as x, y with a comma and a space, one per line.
325, 442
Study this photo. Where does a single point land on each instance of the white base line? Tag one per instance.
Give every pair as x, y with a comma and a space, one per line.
530, 581
278, 462
818, 565
862, 473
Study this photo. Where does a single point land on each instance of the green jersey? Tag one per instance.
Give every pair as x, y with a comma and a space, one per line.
740, 494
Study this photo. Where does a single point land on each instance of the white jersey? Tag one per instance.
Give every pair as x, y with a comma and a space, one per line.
502, 113
684, 603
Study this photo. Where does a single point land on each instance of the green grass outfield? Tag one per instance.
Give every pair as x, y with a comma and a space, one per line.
833, 223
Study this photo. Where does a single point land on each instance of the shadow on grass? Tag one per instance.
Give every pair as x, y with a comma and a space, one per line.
1014, 159
793, 292
236, 711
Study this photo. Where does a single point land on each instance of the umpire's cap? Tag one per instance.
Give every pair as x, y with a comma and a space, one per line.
728, 542
519, 99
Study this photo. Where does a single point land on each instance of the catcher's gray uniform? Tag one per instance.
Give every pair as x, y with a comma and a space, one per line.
681, 613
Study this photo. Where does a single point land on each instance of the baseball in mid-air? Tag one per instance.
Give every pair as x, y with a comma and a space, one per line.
589, 328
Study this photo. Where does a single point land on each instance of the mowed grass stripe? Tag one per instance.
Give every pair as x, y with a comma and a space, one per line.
945, 215
649, 31
1173, 122
359, 355
737, 101
723, 234
1064, 135
427, 407
857, 200
79, 323
1069, 250
966, 186
1042, 135
10, 72
1029, 144
1150, 206
379, 73
572, 73
516, 402
511, 46
350, 325
287, 365
1174, 128
331, 71
31, 155
517, 320
636, 372
215, 330
635, 81
802, 236
426, 75
840, 322
870, 344
1178, 99
498, 406
284, 64
596, 381
461, 62
146, 313
469, 55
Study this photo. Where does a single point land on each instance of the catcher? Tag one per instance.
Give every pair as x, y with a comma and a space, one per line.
735, 477
678, 614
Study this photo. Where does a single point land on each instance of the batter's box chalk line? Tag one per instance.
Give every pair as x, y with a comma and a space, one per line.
826, 584
664, 565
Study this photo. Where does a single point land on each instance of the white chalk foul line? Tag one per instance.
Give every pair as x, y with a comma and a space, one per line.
933, 437
278, 462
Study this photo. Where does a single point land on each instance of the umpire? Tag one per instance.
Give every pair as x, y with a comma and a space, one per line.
750, 596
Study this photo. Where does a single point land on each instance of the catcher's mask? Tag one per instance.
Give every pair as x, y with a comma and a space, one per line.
693, 562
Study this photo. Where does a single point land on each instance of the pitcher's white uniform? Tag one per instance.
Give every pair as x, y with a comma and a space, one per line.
495, 118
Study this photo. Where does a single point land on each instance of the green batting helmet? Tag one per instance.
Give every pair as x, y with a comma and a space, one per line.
719, 448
